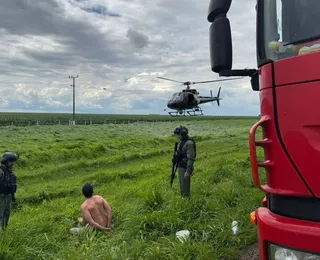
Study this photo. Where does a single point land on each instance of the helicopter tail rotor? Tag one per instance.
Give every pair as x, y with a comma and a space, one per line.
218, 97
211, 95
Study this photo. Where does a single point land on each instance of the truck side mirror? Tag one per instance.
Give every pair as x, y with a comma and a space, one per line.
220, 45
218, 7
220, 36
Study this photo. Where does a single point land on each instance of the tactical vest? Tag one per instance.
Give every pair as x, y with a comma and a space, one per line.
182, 155
8, 182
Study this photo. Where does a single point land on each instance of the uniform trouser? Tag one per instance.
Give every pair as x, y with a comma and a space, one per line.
184, 183
5, 208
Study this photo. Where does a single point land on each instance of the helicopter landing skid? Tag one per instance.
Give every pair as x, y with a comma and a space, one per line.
195, 112
177, 113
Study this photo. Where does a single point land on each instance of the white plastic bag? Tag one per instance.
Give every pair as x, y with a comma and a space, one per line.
235, 227
183, 235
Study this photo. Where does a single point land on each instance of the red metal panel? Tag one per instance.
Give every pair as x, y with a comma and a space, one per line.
299, 121
297, 69
288, 232
281, 175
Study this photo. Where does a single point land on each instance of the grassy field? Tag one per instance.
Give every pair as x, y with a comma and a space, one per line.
130, 165
26, 119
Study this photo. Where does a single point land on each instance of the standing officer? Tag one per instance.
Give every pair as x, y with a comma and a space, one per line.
186, 156
8, 186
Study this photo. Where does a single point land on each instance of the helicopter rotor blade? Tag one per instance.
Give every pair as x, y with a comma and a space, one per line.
217, 80
170, 79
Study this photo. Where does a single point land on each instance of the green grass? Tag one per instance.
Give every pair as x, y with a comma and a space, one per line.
29, 119
130, 165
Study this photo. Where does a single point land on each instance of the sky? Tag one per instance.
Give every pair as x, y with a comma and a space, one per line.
118, 48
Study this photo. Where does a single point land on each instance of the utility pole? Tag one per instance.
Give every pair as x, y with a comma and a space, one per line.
74, 98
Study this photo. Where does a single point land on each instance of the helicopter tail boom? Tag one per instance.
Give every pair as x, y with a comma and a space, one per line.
211, 98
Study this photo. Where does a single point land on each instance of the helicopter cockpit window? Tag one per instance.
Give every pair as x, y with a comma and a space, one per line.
175, 97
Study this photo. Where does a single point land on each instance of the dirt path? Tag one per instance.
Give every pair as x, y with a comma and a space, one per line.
250, 253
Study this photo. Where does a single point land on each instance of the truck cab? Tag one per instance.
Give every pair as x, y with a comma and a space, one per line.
288, 80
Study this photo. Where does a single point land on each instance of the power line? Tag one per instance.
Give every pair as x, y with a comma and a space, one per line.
74, 98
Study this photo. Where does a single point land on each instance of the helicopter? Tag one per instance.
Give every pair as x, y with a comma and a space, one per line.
188, 100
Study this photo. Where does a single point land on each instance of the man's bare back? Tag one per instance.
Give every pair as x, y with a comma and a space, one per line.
97, 213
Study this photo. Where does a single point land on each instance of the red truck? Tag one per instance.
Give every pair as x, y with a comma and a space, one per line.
288, 80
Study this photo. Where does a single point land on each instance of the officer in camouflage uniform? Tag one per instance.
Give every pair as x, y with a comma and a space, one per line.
186, 156
8, 187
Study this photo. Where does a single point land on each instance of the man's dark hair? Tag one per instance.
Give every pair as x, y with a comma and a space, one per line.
87, 190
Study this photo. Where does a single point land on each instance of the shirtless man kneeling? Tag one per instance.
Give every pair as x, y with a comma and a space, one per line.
95, 210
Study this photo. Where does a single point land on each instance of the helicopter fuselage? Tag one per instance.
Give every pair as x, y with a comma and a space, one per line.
183, 100
188, 99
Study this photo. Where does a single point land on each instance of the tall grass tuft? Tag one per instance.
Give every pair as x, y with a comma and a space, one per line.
154, 200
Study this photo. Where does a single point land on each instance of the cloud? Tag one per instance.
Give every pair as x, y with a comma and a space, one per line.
119, 45
3, 103
138, 39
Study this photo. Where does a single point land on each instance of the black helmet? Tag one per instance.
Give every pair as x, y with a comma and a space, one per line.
182, 130
9, 157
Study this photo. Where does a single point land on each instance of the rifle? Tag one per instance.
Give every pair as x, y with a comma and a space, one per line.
174, 164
